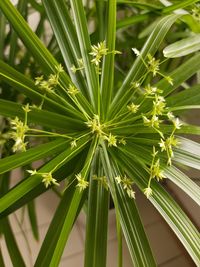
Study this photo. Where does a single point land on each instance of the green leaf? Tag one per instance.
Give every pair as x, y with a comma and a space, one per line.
132, 20
53, 233
133, 230
31, 41
184, 182
190, 96
155, 39
31, 155
42, 117
130, 221
33, 219
26, 86
140, 129
97, 219
108, 63
178, 5
188, 153
22, 8
31, 182
178, 221
119, 241
154, 4
64, 30
72, 211
64, 172
183, 47
36, 6
110, 178
43, 57
148, 29
190, 107
100, 8
1, 260
180, 74
11, 244
2, 34
189, 129
85, 46
168, 208
191, 21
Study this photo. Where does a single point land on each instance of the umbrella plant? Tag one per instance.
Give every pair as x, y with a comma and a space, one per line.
102, 127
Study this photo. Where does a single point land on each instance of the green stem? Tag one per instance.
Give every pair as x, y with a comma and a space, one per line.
75, 101
51, 133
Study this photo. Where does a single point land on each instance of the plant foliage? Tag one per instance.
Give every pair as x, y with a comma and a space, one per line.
101, 113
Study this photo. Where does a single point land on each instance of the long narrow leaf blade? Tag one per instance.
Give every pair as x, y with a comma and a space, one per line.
168, 208
64, 172
150, 47
183, 47
31, 182
33, 219
1, 259
31, 155
180, 74
97, 219
85, 46
12, 246
63, 27
108, 64
54, 230
26, 86
42, 117
2, 34
185, 183
129, 218
32, 42
73, 208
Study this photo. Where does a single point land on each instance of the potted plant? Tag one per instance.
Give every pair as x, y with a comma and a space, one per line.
107, 119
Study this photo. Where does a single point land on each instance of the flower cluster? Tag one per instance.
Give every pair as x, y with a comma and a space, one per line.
152, 119
95, 125
19, 129
53, 79
158, 114
152, 65
170, 142
126, 185
18, 134
166, 144
47, 177
112, 140
133, 108
148, 192
82, 183
80, 63
73, 143
155, 172
196, 12
154, 122
98, 51
72, 90
155, 117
